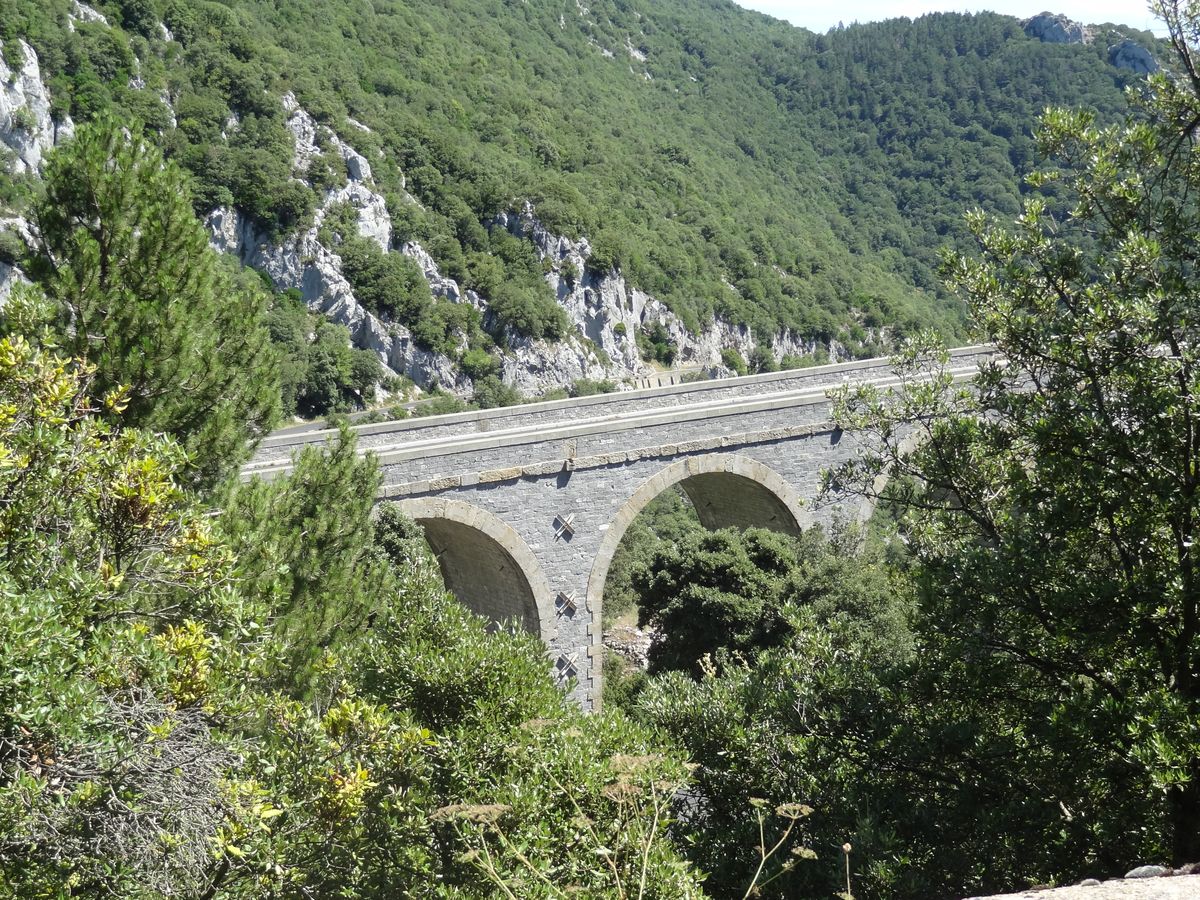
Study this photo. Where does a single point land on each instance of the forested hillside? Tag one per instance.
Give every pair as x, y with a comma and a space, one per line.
726, 163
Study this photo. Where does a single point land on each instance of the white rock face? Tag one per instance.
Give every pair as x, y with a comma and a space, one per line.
535, 367
439, 285
373, 219
81, 12
374, 222
10, 277
609, 312
20, 227
1055, 29
25, 124
305, 264
1128, 54
532, 367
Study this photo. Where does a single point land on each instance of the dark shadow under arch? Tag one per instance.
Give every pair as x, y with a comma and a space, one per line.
486, 564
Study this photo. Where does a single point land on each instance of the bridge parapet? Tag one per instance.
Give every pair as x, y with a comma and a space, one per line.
813, 379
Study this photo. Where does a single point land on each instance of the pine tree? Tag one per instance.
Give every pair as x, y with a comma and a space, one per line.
142, 297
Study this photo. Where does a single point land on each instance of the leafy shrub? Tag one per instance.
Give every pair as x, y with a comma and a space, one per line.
440, 405
479, 364
733, 359
654, 343
388, 284
12, 247
762, 359
491, 392
530, 310
586, 387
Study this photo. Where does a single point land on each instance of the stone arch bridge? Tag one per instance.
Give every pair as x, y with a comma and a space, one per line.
525, 506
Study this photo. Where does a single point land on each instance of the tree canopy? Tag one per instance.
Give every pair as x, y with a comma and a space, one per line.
138, 293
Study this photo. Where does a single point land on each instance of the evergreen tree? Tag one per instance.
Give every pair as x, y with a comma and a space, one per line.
141, 296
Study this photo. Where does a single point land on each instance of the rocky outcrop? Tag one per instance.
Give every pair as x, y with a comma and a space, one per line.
532, 367
439, 285
609, 311
26, 126
81, 12
1180, 886
630, 642
1129, 54
1051, 28
373, 219
303, 263
1125, 53
10, 277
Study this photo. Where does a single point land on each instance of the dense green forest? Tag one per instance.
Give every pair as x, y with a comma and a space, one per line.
726, 162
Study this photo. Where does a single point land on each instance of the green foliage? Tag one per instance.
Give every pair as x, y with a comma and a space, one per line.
529, 308
685, 182
139, 17
790, 727
511, 790
1051, 513
732, 359
138, 293
711, 594
819, 357
122, 648
587, 387
12, 248
762, 360
491, 392
478, 364
440, 405
666, 520
388, 284
319, 370
151, 751
655, 344
301, 544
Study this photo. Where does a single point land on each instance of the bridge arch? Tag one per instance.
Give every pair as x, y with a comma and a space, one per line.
485, 563
726, 489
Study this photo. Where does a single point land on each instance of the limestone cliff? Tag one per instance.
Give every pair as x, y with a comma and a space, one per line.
26, 126
605, 310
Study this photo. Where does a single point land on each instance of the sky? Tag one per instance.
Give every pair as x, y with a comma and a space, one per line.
821, 16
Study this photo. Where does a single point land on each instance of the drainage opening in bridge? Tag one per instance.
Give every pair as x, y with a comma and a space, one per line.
484, 563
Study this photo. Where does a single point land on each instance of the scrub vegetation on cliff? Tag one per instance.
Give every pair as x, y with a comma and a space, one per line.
726, 162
